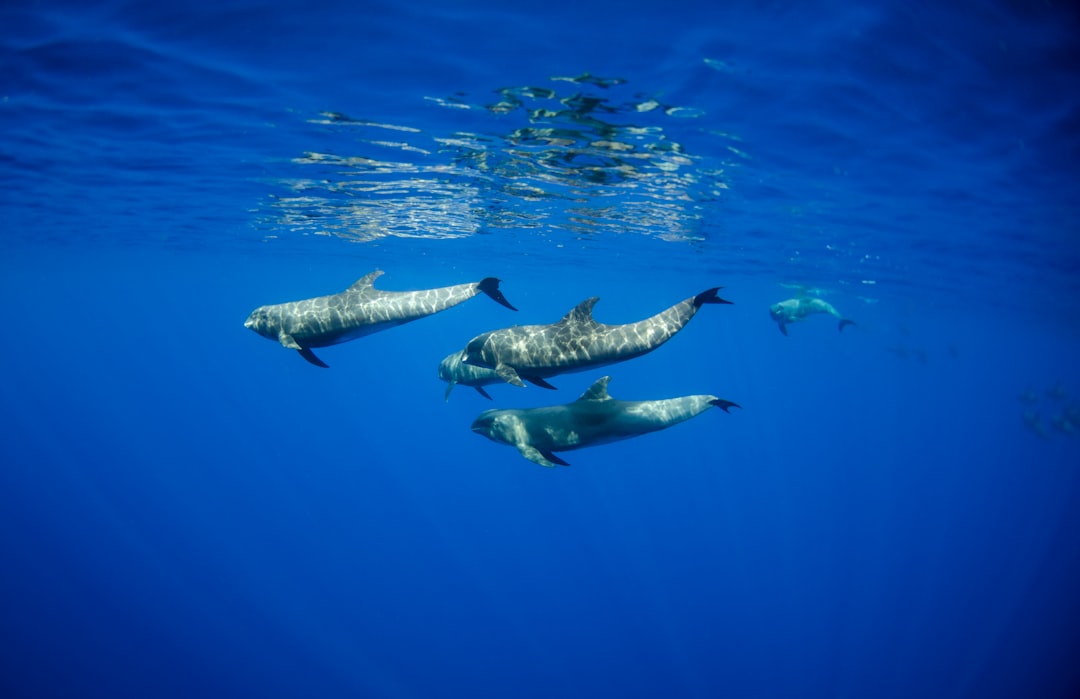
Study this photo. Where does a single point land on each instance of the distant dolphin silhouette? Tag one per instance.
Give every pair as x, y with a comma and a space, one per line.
358, 311
577, 342
454, 371
1034, 422
796, 309
594, 418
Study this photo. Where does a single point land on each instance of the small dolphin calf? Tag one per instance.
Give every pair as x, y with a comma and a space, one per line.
577, 342
797, 309
454, 371
359, 310
594, 418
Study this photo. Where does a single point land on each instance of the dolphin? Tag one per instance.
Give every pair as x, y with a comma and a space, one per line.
1034, 423
454, 371
1064, 424
1029, 396
799, 308
1057, 392
577, 342
594, 418
358, 311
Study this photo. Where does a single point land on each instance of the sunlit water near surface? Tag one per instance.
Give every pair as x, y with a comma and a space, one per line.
189, 509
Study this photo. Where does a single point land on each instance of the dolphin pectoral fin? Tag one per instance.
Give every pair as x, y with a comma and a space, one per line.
533, 454
289, 341
724, 404
550, 456
449, 387
845, 321
490, 286
481, 391
783, 328
544, 458
507, 374
307, 354
537, 381
709, 296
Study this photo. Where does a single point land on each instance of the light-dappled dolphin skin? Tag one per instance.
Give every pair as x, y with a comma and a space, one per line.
358, 311
454, 371
577, 342
594, 418
794, 310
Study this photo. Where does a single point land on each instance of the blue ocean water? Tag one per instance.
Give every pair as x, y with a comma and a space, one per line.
187, 509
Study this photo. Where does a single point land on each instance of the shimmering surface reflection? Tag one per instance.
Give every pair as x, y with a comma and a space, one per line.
583, 155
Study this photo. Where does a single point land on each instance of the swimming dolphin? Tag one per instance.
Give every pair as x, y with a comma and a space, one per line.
797, 309
359, 310
1064, 424
1057, 392
594, 418
454, 371
1034, 422
577, 342
1028, 396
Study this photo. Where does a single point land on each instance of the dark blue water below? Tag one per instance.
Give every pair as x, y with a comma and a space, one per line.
188, 509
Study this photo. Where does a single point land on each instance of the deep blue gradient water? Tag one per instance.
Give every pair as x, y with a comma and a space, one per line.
187, 509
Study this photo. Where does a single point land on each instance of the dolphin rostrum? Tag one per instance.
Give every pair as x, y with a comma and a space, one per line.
358, 311
799, 308
594, 418
577, 342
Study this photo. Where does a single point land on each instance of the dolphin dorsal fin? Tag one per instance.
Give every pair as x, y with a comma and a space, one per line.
598, 391
581, 313
366, 282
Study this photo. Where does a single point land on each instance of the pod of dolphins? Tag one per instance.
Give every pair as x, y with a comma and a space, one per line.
520, 354
1066, 421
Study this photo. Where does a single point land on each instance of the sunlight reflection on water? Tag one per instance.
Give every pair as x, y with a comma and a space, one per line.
596, 160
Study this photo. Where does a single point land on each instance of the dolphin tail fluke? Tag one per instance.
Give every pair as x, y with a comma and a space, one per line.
845, 322
724, 404
709, 296
307, 354
481, 391
490, 286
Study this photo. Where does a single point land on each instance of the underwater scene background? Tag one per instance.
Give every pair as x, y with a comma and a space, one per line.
187, 508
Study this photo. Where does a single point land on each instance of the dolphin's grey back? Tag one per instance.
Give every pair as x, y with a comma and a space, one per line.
810, 306
802, 307
359, 310
597, 418
577, 342
362, 309
588, 423
594, 418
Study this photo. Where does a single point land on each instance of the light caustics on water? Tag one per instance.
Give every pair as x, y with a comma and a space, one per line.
576, 156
